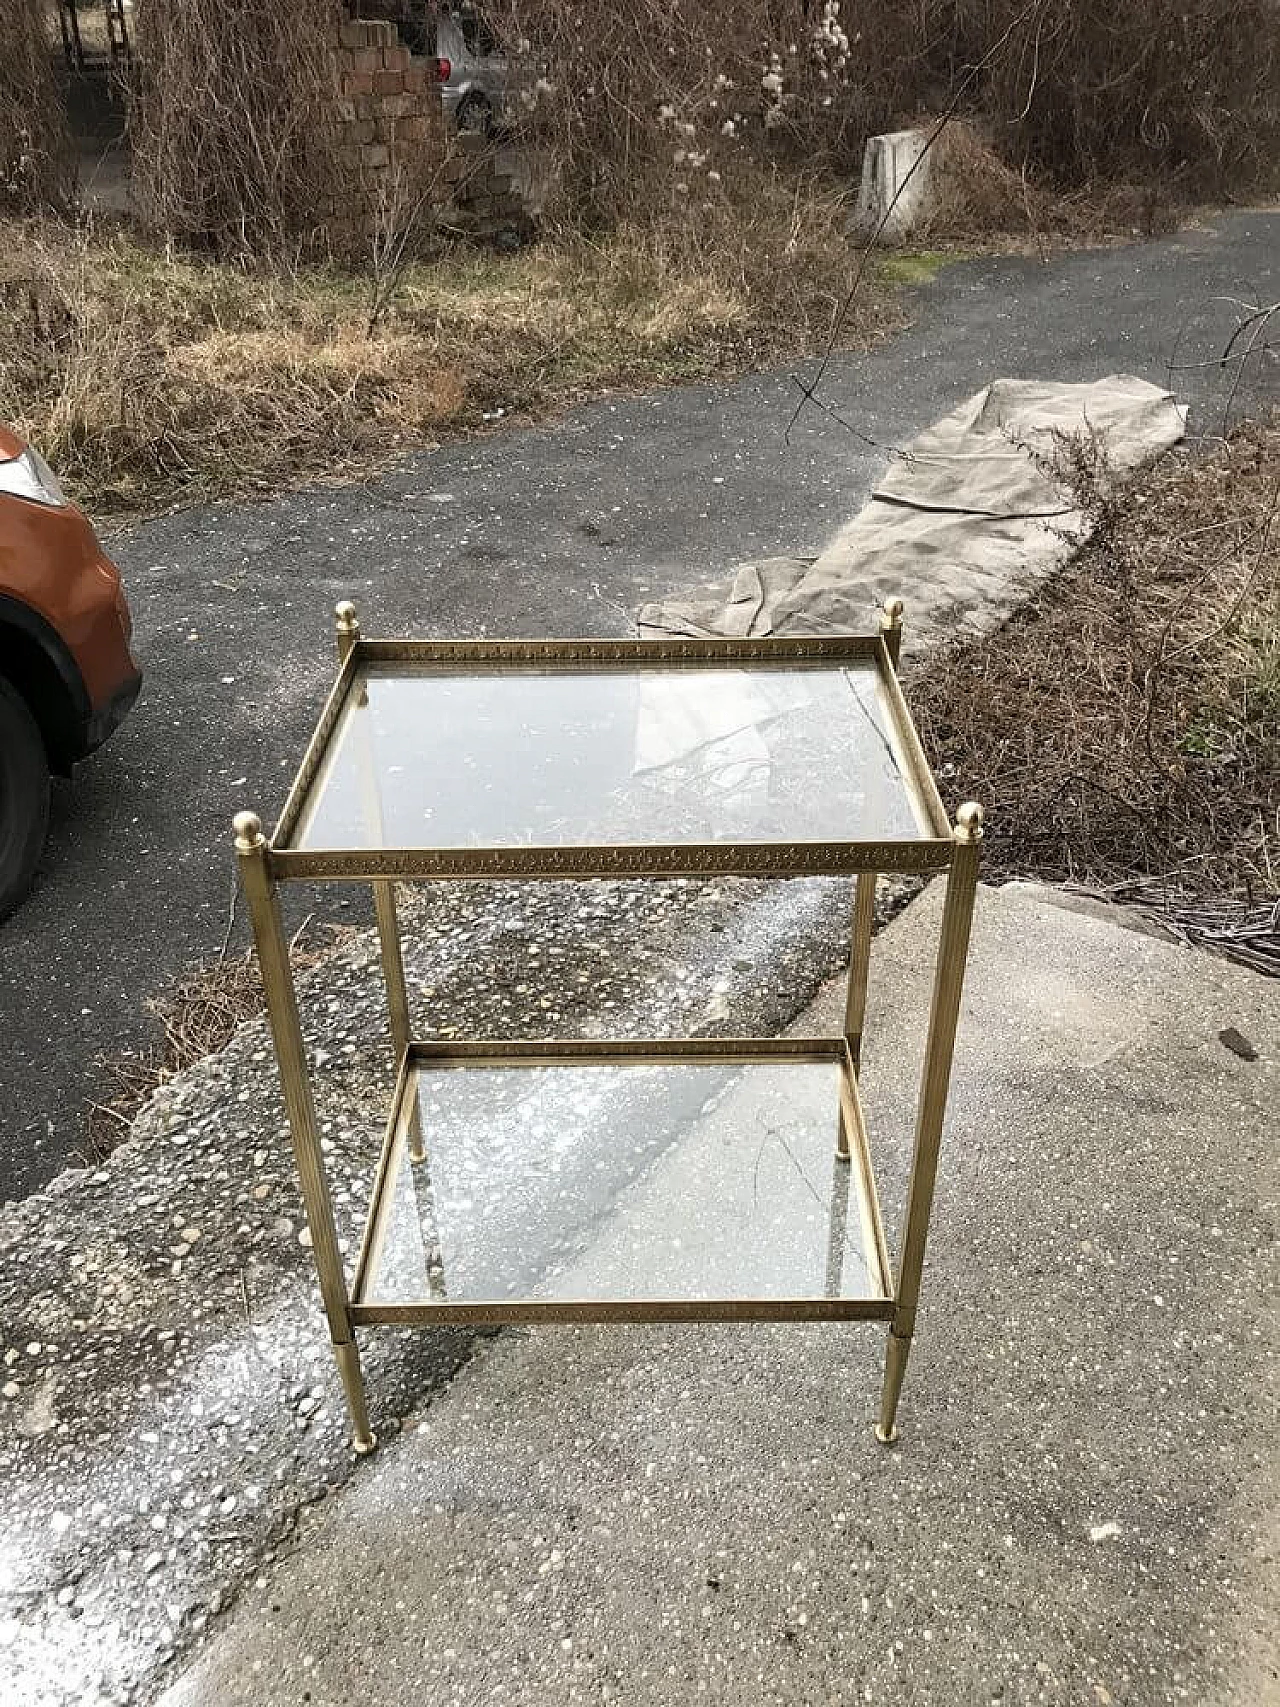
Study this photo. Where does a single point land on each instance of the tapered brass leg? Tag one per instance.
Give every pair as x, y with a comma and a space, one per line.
855, 1007
282, 1012
895, 1367
384, 902
348, 1360
944, 1016
384, 893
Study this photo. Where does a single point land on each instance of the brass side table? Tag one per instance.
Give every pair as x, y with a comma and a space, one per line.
580, 759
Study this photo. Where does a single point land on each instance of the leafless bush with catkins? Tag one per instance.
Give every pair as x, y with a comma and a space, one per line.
659, 105
36, 168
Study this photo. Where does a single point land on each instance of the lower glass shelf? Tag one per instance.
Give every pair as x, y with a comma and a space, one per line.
696, 1180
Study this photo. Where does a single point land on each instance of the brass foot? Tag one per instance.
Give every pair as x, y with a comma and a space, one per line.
895, 1367
364, 1444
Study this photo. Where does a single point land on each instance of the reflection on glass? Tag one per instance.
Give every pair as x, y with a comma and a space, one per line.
624, 1180
576, 758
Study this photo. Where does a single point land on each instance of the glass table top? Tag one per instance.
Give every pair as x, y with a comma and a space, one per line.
582, 757
624, 1180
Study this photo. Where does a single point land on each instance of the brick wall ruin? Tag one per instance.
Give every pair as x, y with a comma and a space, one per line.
391, 140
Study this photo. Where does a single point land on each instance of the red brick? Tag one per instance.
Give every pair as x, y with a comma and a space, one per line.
396, 58
358, 83
388, 82
367, 59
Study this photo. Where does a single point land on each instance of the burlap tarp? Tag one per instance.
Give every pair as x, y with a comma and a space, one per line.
976, 507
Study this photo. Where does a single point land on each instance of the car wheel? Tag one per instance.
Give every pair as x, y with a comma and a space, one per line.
24, 797
475, 113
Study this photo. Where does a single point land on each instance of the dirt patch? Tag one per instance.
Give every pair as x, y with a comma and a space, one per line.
1123, 728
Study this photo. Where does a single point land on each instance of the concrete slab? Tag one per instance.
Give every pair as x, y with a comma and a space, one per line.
1082, 1506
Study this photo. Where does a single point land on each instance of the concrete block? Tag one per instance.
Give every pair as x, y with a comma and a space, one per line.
367, 59
358, 83
894, 165
388, 82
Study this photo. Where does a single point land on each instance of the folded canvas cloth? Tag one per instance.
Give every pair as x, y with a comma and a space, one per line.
973, 510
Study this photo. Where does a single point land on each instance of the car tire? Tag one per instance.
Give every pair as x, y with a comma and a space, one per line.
475, 114
24, 797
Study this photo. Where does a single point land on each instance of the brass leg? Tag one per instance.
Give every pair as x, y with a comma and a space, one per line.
895, 1367
944, 1016
384, 903
348, 1360
384, 893
855, 1008
282, 1011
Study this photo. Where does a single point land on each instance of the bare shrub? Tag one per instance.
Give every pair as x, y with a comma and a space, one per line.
647, 102
233, 121
1121, 727
972, 190
651, 107
35, 149
1187, 90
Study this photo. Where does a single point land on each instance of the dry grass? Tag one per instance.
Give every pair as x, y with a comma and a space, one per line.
1123, 729
149, 378
198, 1017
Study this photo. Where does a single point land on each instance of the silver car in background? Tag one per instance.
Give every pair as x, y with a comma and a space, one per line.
473, 74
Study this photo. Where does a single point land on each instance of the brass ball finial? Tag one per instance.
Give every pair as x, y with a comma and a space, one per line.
248, 829
969, 822
892, 615
345, 613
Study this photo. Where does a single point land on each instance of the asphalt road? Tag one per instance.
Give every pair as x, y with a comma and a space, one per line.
555, 530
